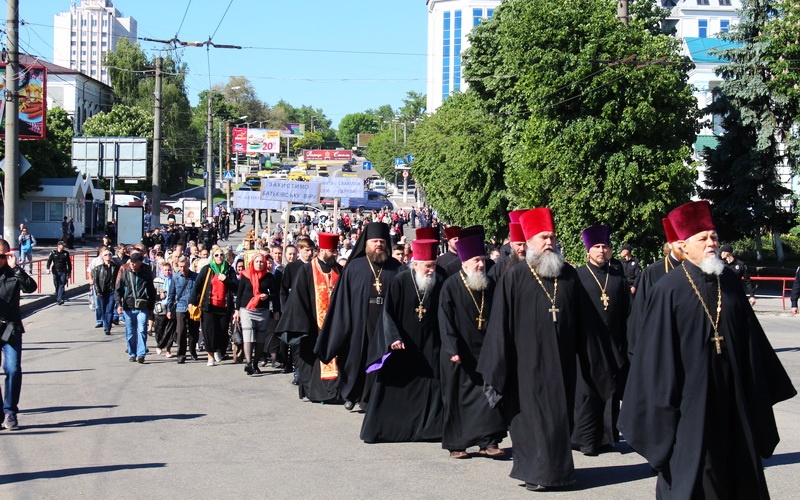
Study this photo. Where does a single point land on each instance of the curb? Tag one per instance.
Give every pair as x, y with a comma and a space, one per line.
34, 305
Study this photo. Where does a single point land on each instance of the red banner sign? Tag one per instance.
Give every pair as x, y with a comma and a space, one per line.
327, 155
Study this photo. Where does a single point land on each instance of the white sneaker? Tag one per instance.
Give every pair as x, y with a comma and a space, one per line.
217, 357
211, 362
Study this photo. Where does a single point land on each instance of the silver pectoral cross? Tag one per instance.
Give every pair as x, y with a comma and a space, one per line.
554, 311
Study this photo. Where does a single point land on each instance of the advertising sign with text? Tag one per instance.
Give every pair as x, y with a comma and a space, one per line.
327, 155
192, 211
32, 102
256, 140
252, 199
340, 187
292, 191
293, 130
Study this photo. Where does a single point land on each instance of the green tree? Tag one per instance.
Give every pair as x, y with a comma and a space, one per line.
382, 150
311, 140
50, 157
459, 160
121, 121
597, 142
353, 124
742, 182
414, 106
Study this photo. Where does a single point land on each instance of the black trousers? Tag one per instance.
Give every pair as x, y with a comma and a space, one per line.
165, 330
187, 333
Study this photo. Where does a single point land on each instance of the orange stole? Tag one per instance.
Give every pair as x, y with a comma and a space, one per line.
323, 287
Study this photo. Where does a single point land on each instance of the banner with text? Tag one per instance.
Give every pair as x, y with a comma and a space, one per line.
292, 191
327, 155
252, 200
340, 187
293, 130
256, 140
192, 211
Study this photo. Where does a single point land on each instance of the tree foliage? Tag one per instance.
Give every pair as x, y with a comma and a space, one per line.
353, 124
120, 121
597, 142
382, 149
459, 160
743, 183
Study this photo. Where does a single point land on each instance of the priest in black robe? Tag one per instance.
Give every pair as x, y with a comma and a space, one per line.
302, 317
647, 281
451, 234
603, 279
535, 335
405, 404
703, 380
454, 265
355, 309
516, 247
464, 306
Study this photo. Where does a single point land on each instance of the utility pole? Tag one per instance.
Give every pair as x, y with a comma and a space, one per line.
155, 210
11, 196
209, 161
622, 11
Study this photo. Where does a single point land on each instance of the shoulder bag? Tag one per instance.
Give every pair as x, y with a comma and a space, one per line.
195, 313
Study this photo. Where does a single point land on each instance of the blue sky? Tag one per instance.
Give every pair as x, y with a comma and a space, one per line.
326, 66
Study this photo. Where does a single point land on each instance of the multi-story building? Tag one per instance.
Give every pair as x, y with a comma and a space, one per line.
449, 23
85, 34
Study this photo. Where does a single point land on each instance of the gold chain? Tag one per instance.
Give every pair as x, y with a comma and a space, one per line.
553, 310
420, 309
714, 323
483, 293
377, 276
668, 265
603, 295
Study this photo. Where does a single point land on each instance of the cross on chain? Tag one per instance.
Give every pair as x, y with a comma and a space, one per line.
480, 321
604, 299
378, 285
554, 311
717, 338
420, 311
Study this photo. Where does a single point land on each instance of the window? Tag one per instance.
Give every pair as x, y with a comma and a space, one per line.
702, 2
477, 15
724, 26
457, 52
446, 56
489, 13
94, 22
702, 28
56, 210
668, 3
38, 211
83, 22
725, 2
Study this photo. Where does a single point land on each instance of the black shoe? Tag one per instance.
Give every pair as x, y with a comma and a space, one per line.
140, 360
99, 325
287, 369
194, 357
349, 405
115, 322
181, 360
132, 360
61, 302
248, 369
108, 332
256, 369
535, 487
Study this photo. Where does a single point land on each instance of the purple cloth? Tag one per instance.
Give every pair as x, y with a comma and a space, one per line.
378, 364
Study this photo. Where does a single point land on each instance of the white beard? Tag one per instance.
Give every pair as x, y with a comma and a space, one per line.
476, 281
547, 264
423, 282
712, 265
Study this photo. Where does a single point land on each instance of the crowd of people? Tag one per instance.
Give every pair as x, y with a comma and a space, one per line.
460, 339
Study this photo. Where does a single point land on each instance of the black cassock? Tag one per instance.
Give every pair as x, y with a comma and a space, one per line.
647, 281
406, 399
351, 322
703, 419
530, 361
468, 418
596, 418
298, 327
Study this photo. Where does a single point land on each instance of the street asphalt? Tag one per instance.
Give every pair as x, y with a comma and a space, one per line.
94, 425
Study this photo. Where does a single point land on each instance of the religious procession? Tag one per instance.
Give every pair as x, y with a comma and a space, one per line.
434, 341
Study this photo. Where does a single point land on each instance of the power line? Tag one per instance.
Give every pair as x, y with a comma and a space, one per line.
220, 21
184, 18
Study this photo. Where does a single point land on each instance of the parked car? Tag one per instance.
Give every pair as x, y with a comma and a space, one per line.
176, 205
372, 200
347, 168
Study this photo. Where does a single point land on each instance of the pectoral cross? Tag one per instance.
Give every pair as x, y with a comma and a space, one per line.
378, 285
604, 299
420, 311
554, 311
717, 339
480, 321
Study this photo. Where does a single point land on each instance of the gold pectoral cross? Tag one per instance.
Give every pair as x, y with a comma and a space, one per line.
420, 311
480, 321
717, 338
377, 285
604, 299
554, 311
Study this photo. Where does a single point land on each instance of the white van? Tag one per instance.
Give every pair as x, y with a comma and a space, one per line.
379, 185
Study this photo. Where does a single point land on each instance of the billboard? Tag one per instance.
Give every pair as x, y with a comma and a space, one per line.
327, 154
107, 157
256, 140
293, 130
32, 102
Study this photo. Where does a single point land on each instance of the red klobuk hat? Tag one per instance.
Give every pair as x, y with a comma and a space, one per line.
328, 241
691, 218
424, 250
536, 221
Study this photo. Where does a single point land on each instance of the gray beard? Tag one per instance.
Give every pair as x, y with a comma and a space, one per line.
476, 281
423, 282
547, 264
712, 265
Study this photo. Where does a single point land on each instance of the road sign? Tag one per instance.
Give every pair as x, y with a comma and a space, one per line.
367, 165
205, 174
405, 174
24, 164
228, 175
399, 161
409, 158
